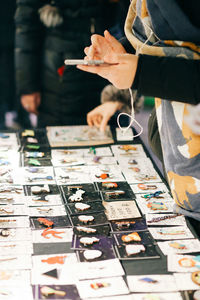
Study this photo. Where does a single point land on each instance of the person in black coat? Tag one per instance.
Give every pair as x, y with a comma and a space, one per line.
7, 86
47, 33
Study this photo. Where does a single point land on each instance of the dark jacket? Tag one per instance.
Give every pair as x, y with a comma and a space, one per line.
7, 32
41, 51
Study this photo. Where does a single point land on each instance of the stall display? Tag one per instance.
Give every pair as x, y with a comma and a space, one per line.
93, 222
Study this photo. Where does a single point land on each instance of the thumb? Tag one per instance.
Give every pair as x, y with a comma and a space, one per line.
104, 123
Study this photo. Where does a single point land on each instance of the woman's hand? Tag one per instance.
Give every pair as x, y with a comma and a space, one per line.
102, 46
121, 71
31, 102
100, 115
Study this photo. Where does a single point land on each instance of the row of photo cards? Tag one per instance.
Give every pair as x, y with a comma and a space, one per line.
71, 217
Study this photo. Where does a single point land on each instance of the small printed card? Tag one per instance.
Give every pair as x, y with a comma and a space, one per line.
81, 196
47, 211
68, 292
58, 221
118, 210
106, 173
184, 282
152, 283
12, 189
179, 246
143, 188
12, 234
13, 248
92, 242
165, 220
102, 287
14, 222
72, 175
128, 150
171, 233
118, 195
41, 175
17, 292
157, 296
13, 210
89, 231
87, 207
88, 220
99, 269
53, 260
133, 237
14, 278
113, 185
16, 262
97, 151
137, 251
47, 269
51, 235
148, 175
91, 255
183, 263
129, 225
42, 190
48, 200
155, 206
71, 188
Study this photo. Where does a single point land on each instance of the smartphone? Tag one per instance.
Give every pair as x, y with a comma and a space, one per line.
73, 62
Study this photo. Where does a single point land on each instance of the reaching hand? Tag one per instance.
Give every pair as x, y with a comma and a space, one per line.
100, 115
31, 102
102, 46
121, 71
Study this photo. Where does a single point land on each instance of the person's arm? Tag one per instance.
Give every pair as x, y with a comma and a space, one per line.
169, 78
